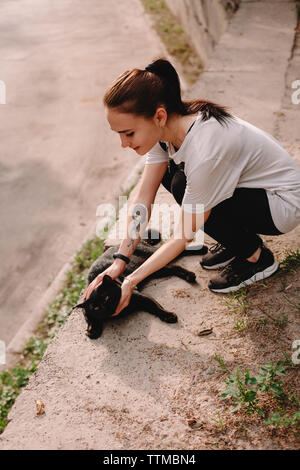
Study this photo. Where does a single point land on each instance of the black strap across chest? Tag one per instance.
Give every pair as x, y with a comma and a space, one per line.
165, 147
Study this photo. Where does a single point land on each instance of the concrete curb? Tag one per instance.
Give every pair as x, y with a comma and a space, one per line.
17, 344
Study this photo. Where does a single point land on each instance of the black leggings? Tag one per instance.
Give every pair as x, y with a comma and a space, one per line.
234, 222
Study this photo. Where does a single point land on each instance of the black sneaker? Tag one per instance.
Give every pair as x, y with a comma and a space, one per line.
195, 250
240, 273
218, 257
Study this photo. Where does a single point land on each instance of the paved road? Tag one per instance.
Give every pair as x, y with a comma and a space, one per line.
58, 160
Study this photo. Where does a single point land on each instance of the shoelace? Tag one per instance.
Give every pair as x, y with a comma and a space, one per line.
216, 247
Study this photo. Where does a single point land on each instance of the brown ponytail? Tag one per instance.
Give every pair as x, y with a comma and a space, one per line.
141, 92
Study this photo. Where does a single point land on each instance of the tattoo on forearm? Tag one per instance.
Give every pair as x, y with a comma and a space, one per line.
131, 244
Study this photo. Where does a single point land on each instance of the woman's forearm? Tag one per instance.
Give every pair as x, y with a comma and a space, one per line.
166, 253
134, 234
145, 196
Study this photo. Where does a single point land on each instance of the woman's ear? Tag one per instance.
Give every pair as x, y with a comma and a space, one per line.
160, 117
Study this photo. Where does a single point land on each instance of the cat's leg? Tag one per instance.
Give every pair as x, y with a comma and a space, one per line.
183, 273
171, 270
150, 305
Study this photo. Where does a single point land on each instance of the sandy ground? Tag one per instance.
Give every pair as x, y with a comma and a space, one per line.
59, 159
146, 384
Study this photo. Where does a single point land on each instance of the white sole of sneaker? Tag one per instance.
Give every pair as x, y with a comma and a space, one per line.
257, 277
217, 266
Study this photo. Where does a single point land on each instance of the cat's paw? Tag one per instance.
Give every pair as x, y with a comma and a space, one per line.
190, 277
168, 317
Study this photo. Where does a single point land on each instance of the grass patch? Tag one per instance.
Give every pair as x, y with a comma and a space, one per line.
221, 363
290, 263
270, 392
237, 301
245, 390
12, 381
243, 303
174, 38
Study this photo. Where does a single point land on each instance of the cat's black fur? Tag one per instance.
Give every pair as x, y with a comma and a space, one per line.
103, 301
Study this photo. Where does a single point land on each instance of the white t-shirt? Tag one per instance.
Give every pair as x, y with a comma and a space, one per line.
220, 158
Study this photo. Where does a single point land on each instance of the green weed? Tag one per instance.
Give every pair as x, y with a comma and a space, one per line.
241, 324
221, 363
245, 390
11, 383
219, 422
237, 387
290, 263
237, 302
281, 418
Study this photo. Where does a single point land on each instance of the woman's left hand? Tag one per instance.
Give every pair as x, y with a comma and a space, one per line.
127, 289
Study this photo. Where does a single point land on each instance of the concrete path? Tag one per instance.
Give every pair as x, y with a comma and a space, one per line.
59, 159
143, 381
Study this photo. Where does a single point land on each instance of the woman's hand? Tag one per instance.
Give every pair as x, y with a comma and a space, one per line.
127, 290
114, 271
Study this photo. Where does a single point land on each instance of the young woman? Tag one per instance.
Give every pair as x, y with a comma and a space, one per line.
231, 179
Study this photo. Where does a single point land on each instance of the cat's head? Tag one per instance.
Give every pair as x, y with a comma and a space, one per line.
100, 305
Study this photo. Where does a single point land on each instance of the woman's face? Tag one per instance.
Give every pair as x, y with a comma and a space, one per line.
137, 132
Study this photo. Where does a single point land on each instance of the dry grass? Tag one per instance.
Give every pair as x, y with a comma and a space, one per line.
174, 38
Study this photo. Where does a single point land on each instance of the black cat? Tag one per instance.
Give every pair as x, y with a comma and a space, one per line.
103, 301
